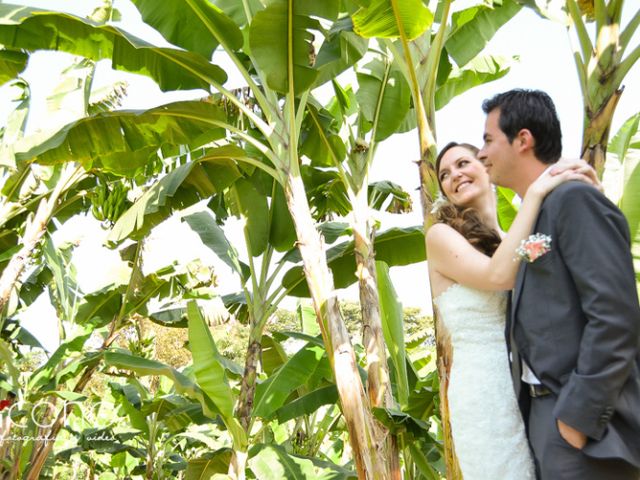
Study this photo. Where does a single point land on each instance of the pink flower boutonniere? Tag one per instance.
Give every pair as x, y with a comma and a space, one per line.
533, 247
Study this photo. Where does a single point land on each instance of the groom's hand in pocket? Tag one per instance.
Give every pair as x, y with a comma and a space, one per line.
573, 437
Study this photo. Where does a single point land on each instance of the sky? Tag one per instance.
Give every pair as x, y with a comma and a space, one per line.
545, 62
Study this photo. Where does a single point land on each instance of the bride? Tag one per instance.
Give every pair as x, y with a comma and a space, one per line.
472, 265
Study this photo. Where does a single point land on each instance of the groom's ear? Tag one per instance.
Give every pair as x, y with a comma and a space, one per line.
524, 140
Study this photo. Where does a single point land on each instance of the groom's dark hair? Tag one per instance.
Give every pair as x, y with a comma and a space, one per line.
533, 110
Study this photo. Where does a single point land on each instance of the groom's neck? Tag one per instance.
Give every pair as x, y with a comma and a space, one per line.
530, 169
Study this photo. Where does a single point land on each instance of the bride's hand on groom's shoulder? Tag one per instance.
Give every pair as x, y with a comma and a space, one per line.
573, 437
577, 165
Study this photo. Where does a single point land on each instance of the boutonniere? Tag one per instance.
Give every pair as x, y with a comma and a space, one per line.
533, 247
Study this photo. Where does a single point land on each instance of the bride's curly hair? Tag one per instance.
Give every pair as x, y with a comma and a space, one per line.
465, 220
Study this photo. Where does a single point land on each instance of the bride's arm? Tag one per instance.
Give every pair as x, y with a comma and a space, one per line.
451, 255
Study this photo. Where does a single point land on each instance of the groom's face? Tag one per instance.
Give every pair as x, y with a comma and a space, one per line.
497, 153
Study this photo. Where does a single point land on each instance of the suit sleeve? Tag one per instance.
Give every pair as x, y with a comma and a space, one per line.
593, 239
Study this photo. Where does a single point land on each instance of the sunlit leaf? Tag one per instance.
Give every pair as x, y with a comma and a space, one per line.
393, 329
276, 31
124, 142
379, 19
478, 71
173, 69
272, 393
383, 96
12, 62
474, 27
206, 24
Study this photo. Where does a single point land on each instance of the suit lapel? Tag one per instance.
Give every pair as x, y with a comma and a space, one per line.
517, 290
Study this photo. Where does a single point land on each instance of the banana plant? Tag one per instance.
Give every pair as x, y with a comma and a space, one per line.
285, 79
603, 56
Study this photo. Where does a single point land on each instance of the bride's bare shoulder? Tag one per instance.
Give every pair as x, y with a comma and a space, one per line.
441, 232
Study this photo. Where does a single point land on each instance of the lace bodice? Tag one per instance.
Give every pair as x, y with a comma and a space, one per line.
472, 314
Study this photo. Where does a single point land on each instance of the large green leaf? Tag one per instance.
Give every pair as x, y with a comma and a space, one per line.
210, 372
182, 383
626, 137
272, 462
384, 97
474, 27
236, 10
273, 354
625, 145
173, 69
308, 403
11, 64
220, 166
214, 238
308, 319
124, 142
379, 20
507, 211
272, 393
253, 208
319, 139
209, 464
340, 50
393, 329
480, 70
396, 246
195, 25
282, 233
281, 43
207, 368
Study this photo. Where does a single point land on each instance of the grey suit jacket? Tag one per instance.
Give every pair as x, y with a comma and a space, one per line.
576, 321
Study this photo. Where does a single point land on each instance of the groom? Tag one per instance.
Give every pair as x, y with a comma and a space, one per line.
574, 324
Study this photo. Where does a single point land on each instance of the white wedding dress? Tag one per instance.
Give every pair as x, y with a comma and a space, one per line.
486, 424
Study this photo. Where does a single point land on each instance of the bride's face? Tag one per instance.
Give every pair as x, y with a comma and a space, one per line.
464, 178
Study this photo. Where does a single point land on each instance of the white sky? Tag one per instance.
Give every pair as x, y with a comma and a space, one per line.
546, 63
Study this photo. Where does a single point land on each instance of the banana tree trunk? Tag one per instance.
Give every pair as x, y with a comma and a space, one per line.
370, 463
444, 353
595, 137
602, 67
378, 381
248, 385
